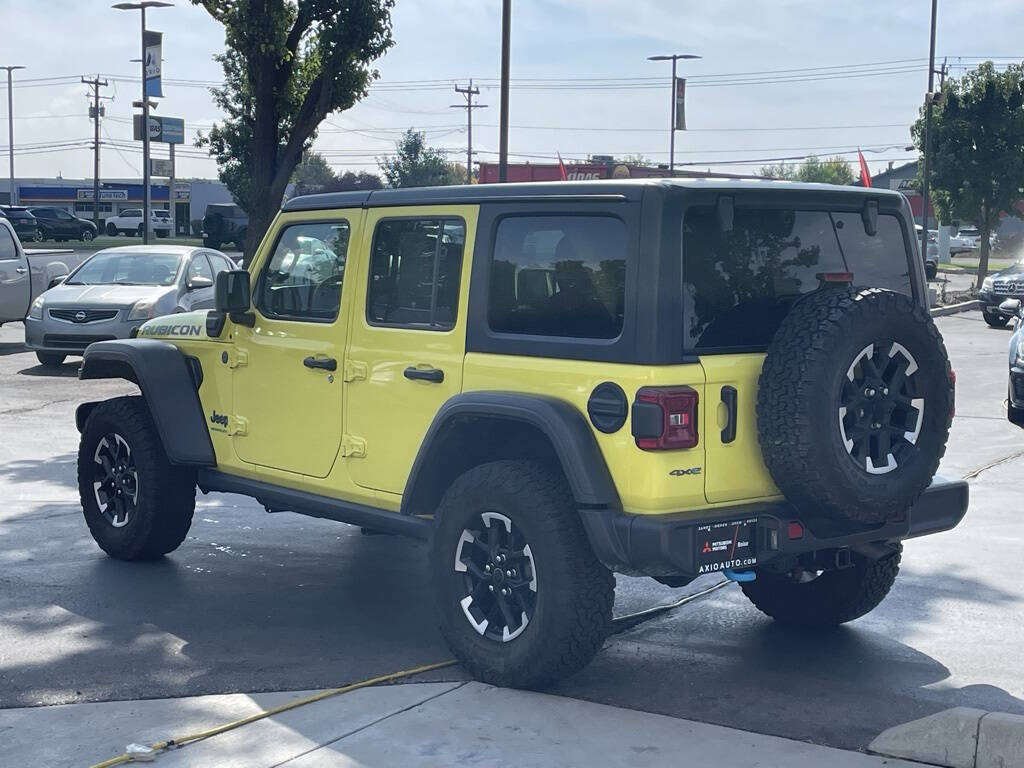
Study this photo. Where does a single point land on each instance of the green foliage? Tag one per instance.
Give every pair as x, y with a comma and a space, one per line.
287, 65
312, 173
417, 165
831, 170
976, 164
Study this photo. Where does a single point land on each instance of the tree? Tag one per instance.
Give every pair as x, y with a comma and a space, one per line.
348, 182
831, 170
976, 163
312, 174
287, 65
417, 165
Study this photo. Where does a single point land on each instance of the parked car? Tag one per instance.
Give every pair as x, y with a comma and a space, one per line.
550, 382
1015, 382
129, 222
116, 290
964, 241
24, 275
997, 288
225, 223
57, 224
23, 221
931, 256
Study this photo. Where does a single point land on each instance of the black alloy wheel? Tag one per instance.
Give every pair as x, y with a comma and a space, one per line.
881, 407
499, 577
115, 480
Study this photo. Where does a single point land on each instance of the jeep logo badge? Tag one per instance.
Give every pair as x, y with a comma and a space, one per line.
219, 418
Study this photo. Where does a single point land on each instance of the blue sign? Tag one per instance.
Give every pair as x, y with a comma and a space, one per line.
153, 45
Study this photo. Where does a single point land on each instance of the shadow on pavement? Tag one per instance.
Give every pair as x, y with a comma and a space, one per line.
60, 469
11, 348
68, 370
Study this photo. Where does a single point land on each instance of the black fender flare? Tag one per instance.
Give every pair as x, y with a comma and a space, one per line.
168, 383
560, 422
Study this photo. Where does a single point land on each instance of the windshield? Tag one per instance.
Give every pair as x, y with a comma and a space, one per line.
127, 269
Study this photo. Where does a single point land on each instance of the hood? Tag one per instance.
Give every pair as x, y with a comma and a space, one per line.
119, 296
1016, 272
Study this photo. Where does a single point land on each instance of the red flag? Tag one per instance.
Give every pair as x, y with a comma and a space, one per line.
561, 168
865, 174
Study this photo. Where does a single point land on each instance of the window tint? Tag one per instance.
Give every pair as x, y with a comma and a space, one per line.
879, 261
414, 272
739, 285
302, 280
8, 250
198, 267
559, 276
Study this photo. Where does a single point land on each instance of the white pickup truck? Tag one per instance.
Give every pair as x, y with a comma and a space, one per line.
129, 222
25, 274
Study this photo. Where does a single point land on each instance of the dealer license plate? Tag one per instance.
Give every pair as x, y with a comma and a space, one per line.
728, 544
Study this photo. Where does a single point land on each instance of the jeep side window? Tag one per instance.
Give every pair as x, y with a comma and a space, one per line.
414, 273
878, 261
303, 278
559, 276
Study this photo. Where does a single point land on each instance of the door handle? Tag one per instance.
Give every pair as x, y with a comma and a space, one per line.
435, 375
21, 270
729, 397
327, 363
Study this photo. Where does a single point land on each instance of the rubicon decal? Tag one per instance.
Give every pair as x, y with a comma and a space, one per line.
171, 329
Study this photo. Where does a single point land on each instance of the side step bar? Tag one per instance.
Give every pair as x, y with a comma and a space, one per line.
277, 499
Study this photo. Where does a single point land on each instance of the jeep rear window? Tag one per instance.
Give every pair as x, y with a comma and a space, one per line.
738, 285
559, 276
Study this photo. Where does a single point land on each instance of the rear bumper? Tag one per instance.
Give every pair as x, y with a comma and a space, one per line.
665, 546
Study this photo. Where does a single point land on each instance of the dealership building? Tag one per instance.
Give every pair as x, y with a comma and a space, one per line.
191, 196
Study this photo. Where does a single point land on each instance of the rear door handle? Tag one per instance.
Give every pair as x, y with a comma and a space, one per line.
21, 270
327, 363
435, 375
729, 397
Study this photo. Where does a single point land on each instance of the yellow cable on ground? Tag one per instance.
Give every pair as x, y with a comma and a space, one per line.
160, 746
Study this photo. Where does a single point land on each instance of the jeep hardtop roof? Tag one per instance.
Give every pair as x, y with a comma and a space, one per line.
563, 191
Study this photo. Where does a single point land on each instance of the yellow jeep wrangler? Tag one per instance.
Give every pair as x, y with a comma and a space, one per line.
549, 383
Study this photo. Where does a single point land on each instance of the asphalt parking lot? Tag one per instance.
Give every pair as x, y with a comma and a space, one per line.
259, 602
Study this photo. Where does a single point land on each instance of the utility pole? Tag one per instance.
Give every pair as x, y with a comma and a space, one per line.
469, 106
929, 102
95, 84
10, 127
506, 35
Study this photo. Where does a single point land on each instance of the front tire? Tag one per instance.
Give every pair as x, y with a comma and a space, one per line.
994, 319
513, 525
111, 230
138, 506
804, 598
87, 235
50, 359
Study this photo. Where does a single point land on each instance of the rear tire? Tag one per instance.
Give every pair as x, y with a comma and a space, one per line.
828, 599
87, 235
994, 319
50, 359
111, 230
138, 506
518, 514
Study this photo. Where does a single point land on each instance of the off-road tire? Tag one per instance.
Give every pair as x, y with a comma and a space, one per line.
805, 380
574, 593
50, 359
166, 493
830, 599
994, 319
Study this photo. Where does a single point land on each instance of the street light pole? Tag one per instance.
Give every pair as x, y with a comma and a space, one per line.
927, 135
672, 113
506, 34
142, 6
10, 127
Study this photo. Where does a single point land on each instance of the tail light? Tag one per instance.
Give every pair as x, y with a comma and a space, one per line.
665, 418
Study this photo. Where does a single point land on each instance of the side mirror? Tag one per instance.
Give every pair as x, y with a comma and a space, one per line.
197, 282
57, 281
1012, 307
231, 291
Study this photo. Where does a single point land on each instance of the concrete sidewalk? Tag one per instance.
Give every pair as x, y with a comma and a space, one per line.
413, 724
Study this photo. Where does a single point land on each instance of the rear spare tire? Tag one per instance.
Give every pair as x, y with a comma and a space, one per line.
854, 404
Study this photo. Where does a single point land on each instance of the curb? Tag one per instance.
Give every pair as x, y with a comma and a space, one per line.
952, 309
957, 738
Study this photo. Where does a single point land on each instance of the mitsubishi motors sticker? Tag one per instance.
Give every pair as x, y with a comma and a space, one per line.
730, 544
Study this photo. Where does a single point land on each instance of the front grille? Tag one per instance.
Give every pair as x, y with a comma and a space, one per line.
1009, 287
72, 341
83, 315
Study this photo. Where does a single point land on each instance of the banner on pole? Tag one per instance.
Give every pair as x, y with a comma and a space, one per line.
153, 43
680, 103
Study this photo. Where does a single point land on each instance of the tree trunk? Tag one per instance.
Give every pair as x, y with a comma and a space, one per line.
983, 230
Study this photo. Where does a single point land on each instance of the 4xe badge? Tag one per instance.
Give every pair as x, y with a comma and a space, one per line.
219, 420
687, 471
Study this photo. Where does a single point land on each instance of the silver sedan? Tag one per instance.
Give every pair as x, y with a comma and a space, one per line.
116, 290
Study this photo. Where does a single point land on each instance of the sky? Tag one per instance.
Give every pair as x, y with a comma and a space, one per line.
778, 78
